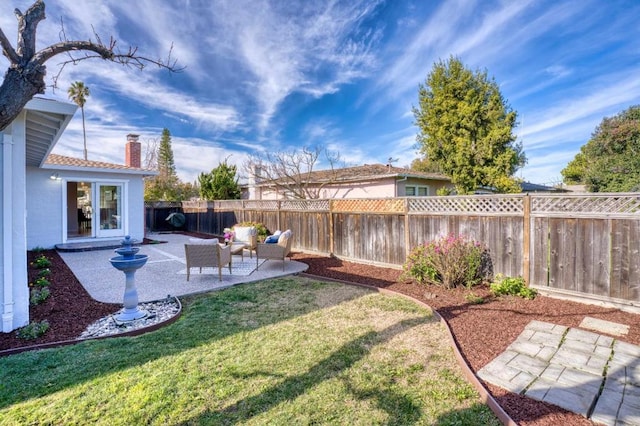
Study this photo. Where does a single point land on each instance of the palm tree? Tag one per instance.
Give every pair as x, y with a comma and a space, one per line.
79, 93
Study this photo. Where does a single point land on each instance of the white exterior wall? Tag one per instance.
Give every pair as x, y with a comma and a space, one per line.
14, 291
46, 204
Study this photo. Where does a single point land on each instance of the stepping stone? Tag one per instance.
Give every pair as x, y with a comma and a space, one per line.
605, 326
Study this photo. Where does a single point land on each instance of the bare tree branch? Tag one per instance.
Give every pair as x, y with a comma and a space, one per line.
7, 49
25, 76
292, 172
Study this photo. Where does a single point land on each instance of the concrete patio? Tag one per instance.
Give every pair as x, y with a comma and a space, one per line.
165, 272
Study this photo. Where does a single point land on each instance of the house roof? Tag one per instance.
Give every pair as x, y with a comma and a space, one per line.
61, 162
367, 172
534, 187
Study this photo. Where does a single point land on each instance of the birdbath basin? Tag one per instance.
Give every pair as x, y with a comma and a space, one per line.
128, 261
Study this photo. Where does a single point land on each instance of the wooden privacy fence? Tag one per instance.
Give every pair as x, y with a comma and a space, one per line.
579, 245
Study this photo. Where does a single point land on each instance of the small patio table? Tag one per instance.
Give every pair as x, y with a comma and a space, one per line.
238, 248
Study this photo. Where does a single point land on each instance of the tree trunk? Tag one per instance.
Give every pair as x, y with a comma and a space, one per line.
17, 89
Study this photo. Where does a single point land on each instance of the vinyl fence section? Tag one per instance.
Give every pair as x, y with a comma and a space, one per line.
583, 245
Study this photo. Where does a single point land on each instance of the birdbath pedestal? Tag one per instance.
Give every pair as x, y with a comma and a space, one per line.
129, 262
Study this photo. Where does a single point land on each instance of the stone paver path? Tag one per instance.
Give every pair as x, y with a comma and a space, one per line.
590, 374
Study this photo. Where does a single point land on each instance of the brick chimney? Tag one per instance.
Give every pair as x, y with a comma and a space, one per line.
132, 151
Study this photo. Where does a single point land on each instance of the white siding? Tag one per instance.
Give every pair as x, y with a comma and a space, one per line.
45, 204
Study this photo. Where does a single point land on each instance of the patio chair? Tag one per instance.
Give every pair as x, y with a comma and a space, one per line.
207, 255
247, 235
279, 250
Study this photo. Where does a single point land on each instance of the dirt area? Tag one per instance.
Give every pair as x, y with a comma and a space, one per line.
482, 331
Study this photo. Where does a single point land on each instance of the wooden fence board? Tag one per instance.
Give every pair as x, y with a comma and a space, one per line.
625, 273
310, 229
584, 265
540, 252
601, 257
563, 246
634, 265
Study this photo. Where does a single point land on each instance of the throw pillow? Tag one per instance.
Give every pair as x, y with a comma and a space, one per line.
271, 239
244, 233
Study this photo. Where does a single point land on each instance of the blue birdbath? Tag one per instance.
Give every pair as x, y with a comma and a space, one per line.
129, 262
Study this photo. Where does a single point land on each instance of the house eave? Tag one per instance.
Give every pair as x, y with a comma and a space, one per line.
45, 121
143, 172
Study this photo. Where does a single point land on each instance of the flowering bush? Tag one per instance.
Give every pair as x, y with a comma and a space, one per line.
228, 234
419, 266
450, 261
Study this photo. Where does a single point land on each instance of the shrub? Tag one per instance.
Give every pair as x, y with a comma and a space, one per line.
512, 286
42, 282
450, 261
44, 272
42, 262
474, 299
37, 296
33, 330
419, 266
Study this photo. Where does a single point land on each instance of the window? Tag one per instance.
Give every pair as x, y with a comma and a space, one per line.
416, 191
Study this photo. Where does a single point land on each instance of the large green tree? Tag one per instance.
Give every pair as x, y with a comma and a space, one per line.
220, 184
466, 128
610, 160
166, 186
166, 163
78, 92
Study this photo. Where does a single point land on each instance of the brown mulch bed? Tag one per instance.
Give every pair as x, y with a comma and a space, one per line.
69, 308
482, 331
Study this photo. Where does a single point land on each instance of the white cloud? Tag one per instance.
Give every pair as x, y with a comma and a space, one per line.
310, 48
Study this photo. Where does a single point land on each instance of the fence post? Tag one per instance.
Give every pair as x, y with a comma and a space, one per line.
279, 213
526, 237
331, 236
407, 234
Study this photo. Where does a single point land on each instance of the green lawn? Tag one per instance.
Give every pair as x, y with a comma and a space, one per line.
282, 352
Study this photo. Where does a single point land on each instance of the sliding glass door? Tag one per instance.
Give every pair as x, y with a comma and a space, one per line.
110, 198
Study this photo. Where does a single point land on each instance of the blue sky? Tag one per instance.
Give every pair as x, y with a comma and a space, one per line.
274, 76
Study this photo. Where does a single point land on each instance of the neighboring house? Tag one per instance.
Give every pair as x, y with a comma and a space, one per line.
534, 187
38, 211
368, 181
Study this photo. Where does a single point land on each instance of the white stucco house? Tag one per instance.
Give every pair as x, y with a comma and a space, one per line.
48, 199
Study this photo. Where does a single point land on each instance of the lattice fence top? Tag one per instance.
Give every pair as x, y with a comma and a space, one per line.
260, 204
199, 206
163, 204
227, 205
387, 205
302, 205
587, 204
473, 204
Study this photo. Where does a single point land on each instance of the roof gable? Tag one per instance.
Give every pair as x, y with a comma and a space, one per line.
367, 172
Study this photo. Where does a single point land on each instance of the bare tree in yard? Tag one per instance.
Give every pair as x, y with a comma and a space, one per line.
150, 154
25, 76
293, 172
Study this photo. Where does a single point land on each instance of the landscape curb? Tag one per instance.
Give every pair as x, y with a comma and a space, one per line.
485, 396
136, 332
